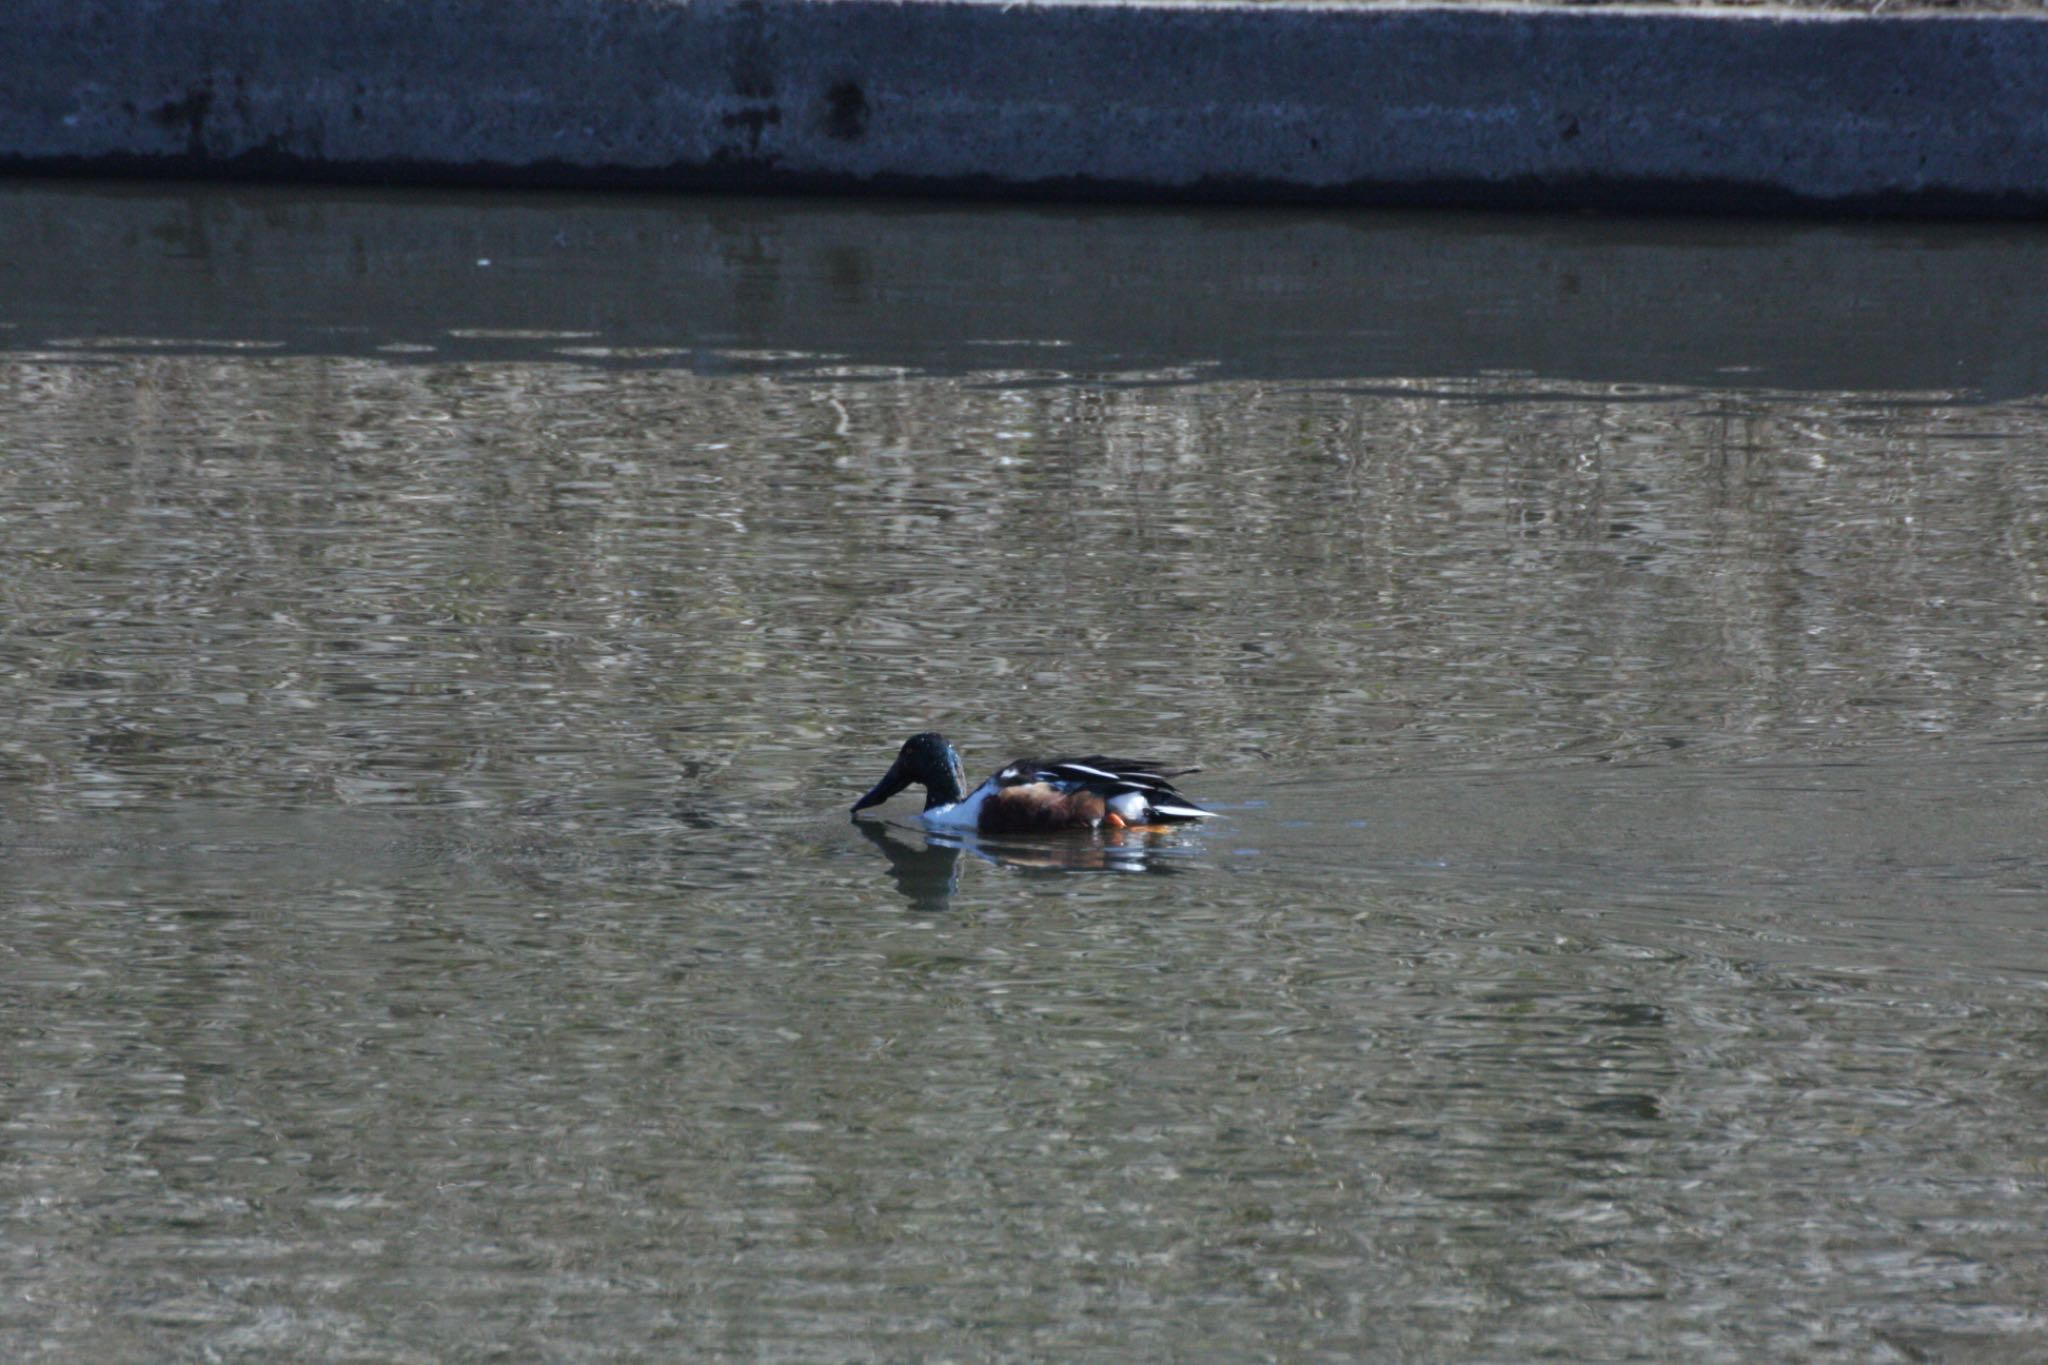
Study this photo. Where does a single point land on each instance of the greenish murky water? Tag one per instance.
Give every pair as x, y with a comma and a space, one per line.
441, 637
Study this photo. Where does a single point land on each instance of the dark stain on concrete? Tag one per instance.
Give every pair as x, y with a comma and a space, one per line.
753, 121
846, 112
750, 55
188, 113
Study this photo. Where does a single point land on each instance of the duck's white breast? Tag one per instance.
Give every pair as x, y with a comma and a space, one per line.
962, 814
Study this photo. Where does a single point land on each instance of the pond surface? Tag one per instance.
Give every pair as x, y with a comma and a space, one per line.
443, 635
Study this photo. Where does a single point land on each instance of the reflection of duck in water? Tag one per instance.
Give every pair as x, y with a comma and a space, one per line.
1036, 795
926, 865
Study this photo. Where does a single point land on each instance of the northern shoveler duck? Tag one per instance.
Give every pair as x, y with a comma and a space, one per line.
1036, 795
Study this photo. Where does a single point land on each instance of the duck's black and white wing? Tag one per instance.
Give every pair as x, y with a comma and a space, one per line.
1140, 790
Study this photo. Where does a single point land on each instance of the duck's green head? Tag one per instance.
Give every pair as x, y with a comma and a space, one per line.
925, 759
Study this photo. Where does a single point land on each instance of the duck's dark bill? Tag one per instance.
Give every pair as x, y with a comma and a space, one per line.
891, 784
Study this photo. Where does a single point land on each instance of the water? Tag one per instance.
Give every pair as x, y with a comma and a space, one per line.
442, 637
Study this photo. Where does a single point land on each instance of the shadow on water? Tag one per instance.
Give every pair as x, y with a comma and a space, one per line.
856, 291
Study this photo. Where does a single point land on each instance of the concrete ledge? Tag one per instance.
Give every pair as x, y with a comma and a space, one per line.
1529, 106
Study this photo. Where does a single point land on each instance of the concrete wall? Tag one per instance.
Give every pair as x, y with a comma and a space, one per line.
1726, 110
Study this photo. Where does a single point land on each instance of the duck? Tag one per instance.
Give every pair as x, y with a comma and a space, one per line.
1036, 795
